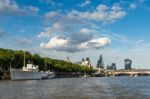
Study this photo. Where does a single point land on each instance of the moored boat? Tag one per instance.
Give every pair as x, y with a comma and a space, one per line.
30, 72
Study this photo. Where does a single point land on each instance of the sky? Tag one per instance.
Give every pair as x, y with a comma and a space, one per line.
77, 29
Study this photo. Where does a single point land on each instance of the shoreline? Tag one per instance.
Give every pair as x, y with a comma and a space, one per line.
6, 75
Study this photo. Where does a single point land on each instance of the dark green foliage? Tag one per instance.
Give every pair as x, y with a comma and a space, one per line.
15, 58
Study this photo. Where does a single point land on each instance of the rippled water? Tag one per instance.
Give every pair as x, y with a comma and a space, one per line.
78, 88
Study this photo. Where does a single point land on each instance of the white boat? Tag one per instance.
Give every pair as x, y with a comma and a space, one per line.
30, 72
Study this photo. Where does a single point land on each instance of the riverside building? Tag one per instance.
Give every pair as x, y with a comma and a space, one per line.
86, 62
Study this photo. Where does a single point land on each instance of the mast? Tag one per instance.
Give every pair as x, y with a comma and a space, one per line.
45, 67
24, 60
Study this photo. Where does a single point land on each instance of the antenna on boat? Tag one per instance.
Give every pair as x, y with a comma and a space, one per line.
10, 66
45, 63
24, 60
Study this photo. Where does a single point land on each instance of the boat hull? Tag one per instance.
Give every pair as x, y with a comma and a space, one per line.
27, 75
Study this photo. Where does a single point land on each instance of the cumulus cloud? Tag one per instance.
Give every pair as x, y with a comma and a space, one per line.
56, 16
55, 28
73, 31
81, 36
102, 13
51, 14
85, 3
74, 42
85, 30
8, 6
11, 7
55, 42
63, 44
96, 43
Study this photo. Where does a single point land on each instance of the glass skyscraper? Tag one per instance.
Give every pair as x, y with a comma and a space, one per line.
128, 63
100, 63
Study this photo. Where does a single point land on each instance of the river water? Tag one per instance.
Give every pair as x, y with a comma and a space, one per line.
78, 88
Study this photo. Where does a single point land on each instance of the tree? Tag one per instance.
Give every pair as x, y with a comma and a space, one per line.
16, 58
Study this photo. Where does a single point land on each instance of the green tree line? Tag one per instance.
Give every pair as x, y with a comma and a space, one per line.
15, 58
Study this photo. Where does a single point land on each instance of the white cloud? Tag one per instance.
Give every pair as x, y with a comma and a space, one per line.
11, 7
85, 30
96, 43
8, 5
133, 6
55, 28
75, 28
43, 34
100, 42
74, 42
51, 14
63, 44
102, 8
102, 13
66, 18
55, 42
85, 3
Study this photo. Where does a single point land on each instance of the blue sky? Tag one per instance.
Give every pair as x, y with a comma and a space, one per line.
118, 29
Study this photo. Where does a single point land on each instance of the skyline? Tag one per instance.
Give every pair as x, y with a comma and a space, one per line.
79, 29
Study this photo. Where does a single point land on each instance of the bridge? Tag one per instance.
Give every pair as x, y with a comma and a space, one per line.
136, 72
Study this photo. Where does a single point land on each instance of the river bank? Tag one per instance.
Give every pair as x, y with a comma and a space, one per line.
6, 75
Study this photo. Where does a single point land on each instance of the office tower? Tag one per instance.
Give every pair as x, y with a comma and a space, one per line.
112, 66
128, 63
100, 63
